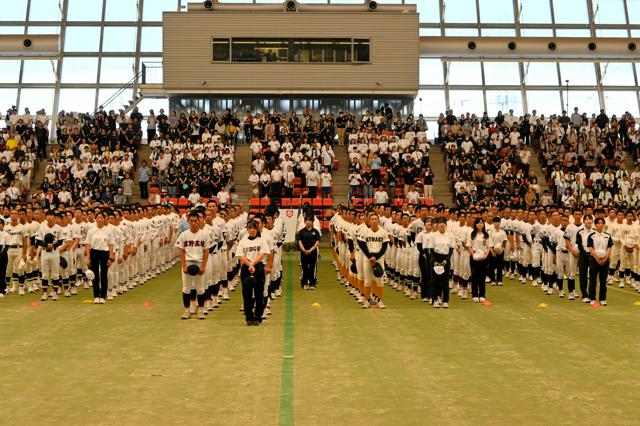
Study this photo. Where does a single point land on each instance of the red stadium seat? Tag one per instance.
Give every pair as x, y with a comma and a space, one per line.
286, 202
265, 201
398, 202
327, 202
254, 202
399, 192
317, 202
297, 192
297, 181
295, 202
183, 202
306, 200
154, 190
173, 201
325, 224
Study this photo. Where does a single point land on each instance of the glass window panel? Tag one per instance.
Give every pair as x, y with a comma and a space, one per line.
155, 104
116, 70
569, 12
43, 30
535, 12
12, 30
9, 72
610, 11
501, 73
38, 72
463, 101
429, 32
621, 102
498, 32
429, 10
119, 39
573, 33
504, 100
464, 73
7, 99
586, 100
633, 7
77, 100
79, 70
578, 73
36, 99
122, 10
44, 10
460, 11
612, 33
431, 71
429, 103
151, 39
153, 10
540, 73
500, 11
82, 39
545, 102
617, 74
635, 33
461, 32
85, 10
526, 32
16, 12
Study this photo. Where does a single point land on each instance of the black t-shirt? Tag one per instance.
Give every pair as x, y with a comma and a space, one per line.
308, 237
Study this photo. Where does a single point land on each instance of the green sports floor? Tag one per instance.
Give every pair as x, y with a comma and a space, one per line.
134, 362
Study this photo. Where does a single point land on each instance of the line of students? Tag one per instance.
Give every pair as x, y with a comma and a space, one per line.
51, 252
428, 252
219, 250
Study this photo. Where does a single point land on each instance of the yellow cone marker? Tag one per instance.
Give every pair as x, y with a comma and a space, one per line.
87, 301
637, 303
543, 306
315, 305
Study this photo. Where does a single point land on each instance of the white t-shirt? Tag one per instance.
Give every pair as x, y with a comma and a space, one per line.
251, 248
194, 245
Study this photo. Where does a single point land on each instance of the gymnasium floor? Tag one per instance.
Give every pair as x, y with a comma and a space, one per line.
133, 362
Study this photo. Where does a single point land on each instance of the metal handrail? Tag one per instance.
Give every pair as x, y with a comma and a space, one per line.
126, 86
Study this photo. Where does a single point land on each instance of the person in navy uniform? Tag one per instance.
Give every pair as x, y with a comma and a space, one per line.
308, 239
599, 244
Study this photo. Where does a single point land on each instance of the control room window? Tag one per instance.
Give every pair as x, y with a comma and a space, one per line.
221, 47
361, 50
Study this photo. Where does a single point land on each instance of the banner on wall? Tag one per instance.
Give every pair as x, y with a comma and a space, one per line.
290, 218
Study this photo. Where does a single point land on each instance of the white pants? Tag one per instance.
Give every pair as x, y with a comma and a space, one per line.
50, 265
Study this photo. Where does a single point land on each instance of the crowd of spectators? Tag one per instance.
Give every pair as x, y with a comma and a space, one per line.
583, 158
192, 155
21, 142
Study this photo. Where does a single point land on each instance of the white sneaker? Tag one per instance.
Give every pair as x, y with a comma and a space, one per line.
44, 297
464, 294
561, 293
482, 300
1, 295
586, 300
487, 279
279, 293
366, 304
445, 305
96, 301
492, 284
267, 311
550, 291
67, 294
571, 296
21, 290
109, 296
621, 285
54, 296
381, 305
475, 300
425, 299
74, 291
102, 301
414, 296
603, 302
186, 315
534, 283
436, 304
